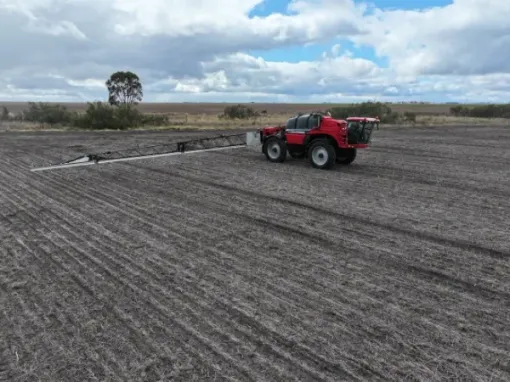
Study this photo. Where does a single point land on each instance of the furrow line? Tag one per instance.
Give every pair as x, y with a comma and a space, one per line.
30, 230
316, 236
68, 320
147, 286
373, 170
84, 284
415, 152
266, 222
145, 290
25, 242
247, 203
48, 248
254, 337
294, 203
261, 223
427, 273
13, 343
307, 192
126, 319
418, 177
42, 337
294, 361
119, 314
427, 270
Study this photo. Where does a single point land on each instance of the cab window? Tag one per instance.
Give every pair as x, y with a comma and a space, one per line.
302, 122
291, 123
353, 125
313, 121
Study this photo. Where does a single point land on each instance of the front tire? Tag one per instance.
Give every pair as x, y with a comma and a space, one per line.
275, 149
321, 154
345, 156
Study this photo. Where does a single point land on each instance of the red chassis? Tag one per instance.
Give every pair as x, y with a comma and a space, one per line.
320, 138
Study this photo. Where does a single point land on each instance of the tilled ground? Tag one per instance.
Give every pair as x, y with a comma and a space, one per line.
222, 265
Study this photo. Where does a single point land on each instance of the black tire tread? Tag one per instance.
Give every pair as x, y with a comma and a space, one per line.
329, 148
283, 149
351, 156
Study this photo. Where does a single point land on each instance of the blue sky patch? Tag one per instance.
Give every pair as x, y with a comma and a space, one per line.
314, 52
407, 5
268, 7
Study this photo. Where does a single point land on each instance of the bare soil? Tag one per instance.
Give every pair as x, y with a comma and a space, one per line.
224, 266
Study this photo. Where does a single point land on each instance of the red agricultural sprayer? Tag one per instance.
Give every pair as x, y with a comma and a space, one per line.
320, 138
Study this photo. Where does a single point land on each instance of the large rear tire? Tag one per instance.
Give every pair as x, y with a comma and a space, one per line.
321, 154
345, 156
275, 149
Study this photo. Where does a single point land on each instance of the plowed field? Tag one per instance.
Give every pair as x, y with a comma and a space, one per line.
224, 266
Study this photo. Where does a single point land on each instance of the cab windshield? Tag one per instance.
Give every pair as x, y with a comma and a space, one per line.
353, 125
360, 131
358, 124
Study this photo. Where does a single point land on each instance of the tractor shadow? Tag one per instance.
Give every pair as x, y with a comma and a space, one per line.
302, 163
255, 156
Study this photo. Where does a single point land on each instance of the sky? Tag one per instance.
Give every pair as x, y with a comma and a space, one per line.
257, 50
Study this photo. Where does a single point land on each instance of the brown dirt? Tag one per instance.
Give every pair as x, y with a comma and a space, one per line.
223, 266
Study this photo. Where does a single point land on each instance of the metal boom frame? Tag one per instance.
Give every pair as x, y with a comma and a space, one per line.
220, 142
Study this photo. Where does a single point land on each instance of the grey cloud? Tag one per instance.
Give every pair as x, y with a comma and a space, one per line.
29, 59
155, 57
472, 52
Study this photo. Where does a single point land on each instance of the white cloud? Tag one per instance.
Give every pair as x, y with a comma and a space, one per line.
465, 37
194, 50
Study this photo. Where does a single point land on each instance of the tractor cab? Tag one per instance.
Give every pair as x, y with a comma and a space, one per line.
303, 122
359, 129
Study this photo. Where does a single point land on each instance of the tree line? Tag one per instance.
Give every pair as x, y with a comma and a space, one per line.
482, 111
125, 91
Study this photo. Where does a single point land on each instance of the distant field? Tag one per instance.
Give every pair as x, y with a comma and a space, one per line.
271, 108
205, 116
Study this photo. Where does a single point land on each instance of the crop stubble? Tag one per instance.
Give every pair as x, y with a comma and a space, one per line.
223, 265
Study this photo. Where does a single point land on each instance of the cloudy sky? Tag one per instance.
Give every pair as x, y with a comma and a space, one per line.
258, 50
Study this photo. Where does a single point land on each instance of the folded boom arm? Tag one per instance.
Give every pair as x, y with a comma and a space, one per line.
167, 149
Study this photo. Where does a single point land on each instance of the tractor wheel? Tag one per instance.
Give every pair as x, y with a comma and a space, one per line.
345, 156
275, 149
321, 154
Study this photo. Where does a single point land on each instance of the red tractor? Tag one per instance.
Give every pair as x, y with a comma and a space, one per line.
320, 138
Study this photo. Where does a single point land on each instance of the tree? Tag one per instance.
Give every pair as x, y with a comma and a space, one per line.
124, 88
5, 114
239, 111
